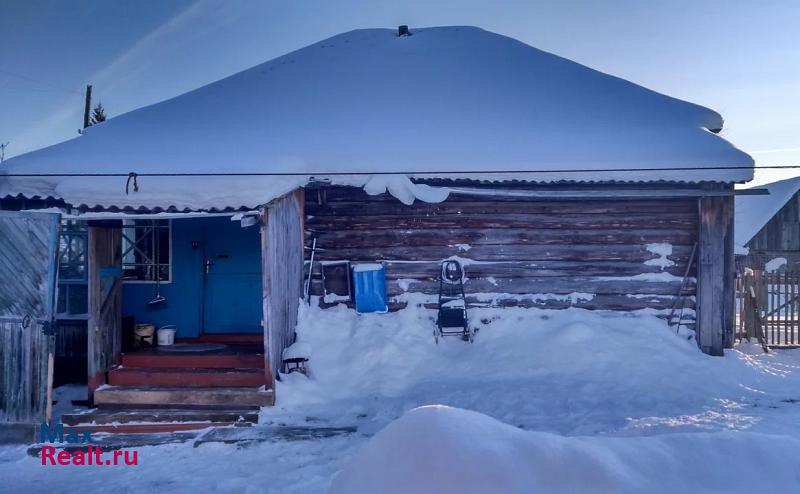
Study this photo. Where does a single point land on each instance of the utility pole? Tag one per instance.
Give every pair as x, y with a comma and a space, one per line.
88, 106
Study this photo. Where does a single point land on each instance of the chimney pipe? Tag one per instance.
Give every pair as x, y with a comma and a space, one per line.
403, 30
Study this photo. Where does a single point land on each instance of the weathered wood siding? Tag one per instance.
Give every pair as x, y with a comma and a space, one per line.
282, 274
105, 303
531, 252
782, 232
780, 237
70, 352
28, 266
715, 276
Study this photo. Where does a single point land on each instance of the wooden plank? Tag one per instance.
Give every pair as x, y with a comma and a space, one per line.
147, 396
517, 220
515, 253
713, 314
537, 285
728, 273
282, 268
598, 302
106, 416
235, 359
429, 270
105, 303
28, 268
392, 207
348, 239
190, 378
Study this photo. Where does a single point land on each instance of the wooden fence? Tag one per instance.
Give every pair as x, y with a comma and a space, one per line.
768, 308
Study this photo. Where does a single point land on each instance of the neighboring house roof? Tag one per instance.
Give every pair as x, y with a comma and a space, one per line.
444, 100
752, 213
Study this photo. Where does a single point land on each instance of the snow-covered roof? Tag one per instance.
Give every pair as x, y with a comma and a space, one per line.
752, 213
448, 101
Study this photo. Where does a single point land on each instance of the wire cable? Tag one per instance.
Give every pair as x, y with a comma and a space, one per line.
437, 173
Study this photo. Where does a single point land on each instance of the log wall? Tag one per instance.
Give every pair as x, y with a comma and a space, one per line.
526, 252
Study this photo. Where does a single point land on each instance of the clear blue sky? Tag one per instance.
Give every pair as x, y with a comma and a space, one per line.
740, 58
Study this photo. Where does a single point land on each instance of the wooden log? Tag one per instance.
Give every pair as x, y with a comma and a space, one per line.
511, 253
517, 220
344, 193
536, 286
599, 302
348, 239
424, 270
367, 206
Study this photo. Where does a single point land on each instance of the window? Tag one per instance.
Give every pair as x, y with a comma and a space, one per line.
146, 250
73, 267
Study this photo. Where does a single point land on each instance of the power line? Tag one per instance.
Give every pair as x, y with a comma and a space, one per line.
38, 81
437, 173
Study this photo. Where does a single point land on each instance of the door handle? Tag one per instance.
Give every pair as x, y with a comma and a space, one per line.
209, 263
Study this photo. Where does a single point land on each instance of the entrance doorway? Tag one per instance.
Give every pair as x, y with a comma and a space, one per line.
232, 295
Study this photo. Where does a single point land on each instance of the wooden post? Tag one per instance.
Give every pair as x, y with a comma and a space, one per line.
729, 273
282, 274
105, 303
87, 107
715, 275
266, 290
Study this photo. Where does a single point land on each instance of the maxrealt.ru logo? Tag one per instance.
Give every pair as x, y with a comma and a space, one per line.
92, 455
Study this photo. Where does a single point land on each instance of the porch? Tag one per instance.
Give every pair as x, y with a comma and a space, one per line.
194, 384
226, 285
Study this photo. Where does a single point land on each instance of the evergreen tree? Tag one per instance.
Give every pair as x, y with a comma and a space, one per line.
98, 114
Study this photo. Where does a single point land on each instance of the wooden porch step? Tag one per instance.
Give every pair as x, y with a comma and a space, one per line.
180, 377
154, 360
177, 397
227, 338
158, 415
153, 428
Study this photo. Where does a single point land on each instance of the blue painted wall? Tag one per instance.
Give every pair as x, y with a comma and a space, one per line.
234, 295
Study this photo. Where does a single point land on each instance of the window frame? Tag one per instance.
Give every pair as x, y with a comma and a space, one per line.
169, 256
73, 228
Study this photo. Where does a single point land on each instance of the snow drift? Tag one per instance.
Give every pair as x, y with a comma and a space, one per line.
437, 449
443, 102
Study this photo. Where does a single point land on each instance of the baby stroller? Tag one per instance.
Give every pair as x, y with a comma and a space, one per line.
452, 318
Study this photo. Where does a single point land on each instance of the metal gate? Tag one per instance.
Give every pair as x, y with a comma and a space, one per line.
28, 271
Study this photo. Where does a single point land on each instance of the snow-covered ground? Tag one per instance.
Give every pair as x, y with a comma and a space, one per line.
555, 401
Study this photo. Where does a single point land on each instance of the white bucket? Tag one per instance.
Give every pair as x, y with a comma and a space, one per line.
166, 335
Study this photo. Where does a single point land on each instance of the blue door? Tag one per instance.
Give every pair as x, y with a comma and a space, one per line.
232, 279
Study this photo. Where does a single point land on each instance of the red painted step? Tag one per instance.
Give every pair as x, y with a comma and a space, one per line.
183, 377
152, 359
227, 338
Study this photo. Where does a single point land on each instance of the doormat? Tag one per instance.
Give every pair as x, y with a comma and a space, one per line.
192, 347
